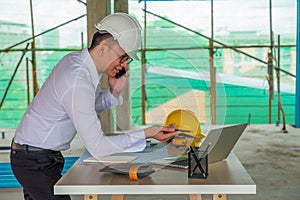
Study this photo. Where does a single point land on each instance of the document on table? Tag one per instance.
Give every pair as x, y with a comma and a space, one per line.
117, 159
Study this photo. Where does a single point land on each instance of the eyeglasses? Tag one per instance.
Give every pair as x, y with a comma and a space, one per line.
125, 59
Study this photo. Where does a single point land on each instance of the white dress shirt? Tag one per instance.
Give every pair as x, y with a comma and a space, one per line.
67, 104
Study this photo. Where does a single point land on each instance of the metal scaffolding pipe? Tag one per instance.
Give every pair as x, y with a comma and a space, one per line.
13, 76
220, 43
165, 49
297, 110
8, 48
144, 98
213, 71
27, 81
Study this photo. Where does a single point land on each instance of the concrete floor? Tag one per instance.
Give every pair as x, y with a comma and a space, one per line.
271, 157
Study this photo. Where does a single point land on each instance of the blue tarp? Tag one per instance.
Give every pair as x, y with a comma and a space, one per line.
8, 180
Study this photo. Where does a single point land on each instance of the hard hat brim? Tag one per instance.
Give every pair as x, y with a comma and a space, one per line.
133, 55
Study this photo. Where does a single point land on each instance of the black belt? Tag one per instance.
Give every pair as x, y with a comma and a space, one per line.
25, 147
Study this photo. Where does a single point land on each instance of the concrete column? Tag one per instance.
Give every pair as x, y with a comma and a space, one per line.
96, 10
123, 111
121, 6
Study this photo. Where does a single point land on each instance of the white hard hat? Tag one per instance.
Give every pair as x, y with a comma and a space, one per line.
125, 29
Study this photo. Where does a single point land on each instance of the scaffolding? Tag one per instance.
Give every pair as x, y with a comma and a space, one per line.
213, 47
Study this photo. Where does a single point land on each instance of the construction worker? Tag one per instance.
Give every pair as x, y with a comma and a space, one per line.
68, 103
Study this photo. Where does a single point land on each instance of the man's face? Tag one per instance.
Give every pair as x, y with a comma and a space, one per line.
119, 60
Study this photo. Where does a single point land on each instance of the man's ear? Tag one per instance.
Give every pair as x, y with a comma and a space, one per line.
101, 49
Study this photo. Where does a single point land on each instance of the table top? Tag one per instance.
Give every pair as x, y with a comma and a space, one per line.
224, 177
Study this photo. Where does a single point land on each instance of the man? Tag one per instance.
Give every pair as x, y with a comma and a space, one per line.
68, 103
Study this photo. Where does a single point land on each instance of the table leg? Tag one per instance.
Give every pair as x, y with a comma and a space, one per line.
117, 197
195, 197
219, 197
90, 197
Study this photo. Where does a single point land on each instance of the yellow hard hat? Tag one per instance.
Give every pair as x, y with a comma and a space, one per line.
186, 120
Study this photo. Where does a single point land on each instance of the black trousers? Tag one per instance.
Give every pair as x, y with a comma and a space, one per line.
37, 172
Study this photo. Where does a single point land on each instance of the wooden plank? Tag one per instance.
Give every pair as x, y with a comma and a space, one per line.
117, 196
195, 197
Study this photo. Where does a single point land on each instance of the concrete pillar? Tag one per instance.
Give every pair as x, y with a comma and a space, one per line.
123, 111
121, 6
96, 10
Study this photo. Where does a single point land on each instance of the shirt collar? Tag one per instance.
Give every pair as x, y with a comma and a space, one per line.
92, 68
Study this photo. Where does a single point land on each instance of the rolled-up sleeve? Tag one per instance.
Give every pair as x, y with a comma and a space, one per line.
105, 100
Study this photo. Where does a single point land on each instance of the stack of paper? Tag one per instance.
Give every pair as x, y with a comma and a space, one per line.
111, 159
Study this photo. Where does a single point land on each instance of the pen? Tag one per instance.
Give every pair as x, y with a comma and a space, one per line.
205, 151
182, 130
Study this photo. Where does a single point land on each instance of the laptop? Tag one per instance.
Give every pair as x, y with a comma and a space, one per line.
222, 141
219, 143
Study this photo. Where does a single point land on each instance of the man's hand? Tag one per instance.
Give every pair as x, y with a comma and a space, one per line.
161, 133
117, 84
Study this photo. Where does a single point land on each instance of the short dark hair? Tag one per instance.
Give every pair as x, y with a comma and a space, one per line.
99, 37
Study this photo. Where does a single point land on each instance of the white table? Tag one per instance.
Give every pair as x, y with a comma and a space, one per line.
225, 177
